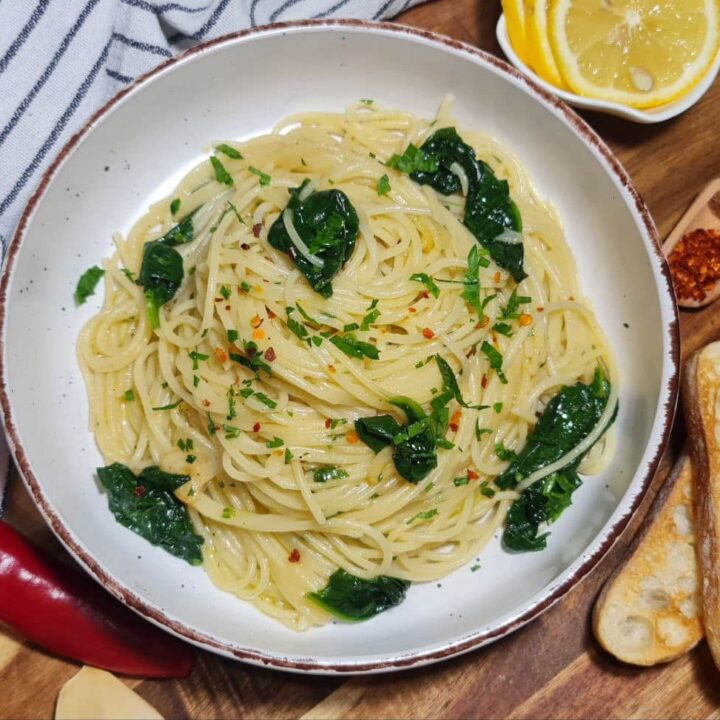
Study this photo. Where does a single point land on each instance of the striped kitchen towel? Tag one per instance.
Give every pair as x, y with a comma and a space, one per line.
62, 59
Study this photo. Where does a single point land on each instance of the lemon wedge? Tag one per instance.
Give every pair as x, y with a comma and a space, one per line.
641, 53
539, 50
515, 21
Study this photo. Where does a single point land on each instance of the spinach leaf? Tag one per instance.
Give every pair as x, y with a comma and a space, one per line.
568, 419
414, 160
488, 207
353, 599
325, 474
87, 283
328, 225
161, 272
377, 431
146, 505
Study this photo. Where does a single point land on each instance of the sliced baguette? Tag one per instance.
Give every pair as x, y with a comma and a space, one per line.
649, 610
701, 399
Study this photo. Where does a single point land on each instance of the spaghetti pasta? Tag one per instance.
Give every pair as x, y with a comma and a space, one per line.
245, 388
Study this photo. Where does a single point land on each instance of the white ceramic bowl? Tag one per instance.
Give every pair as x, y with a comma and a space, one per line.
134, 149
652, 115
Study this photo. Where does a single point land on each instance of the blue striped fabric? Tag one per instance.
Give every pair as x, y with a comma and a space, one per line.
61, 59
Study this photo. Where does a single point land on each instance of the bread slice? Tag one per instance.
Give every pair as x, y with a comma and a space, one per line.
649, 610
701, 387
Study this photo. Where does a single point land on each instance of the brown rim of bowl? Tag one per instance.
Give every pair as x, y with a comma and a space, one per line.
406, 660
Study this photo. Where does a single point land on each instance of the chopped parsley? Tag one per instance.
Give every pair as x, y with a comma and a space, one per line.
503, 453
231, 432
264, 177
129, 395
495, 358
221, 174
87, 283
503, 329
325, 474
288, 456
232, 412
371, 317
232, 336
196, 357
352, 347
459, 481
428, 282
185, 445
129, 274
512, 310
497, 407
245, 286
228, 513
276, 442
190, 459
230, 151
175, 206
383, 185
172, 406
225, 291
426, 515
479, 432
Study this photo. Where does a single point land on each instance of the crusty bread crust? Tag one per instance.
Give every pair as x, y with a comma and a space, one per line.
701, 385
649, 610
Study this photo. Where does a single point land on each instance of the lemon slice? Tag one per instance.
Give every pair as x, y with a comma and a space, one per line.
641, 53
515, 20
539, 51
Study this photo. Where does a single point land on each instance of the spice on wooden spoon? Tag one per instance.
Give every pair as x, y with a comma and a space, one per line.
693, 250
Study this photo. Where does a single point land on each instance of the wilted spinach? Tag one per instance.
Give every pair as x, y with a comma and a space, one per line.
146, 505
353, 599
161, 272
489, 209
87, 283
328, 225
568, 419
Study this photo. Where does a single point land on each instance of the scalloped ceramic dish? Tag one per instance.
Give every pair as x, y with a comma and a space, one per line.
646, 117
143, 140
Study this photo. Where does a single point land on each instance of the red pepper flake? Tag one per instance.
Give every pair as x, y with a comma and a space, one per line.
139, 491
270, 313
220, 299
483, 323
270, 354
472, 475
484, 382
328, 423
425, 294
540, 309
331, 368
428, 333
695, 264
256, 322
455, 420
245, 246
221, 355
257, 227
412, 309
294, 556
571, 298
206, 403
256, 427
497, 277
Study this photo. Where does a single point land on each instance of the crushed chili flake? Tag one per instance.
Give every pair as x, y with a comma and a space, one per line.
256, 427
428, 333
497, 277
245, 246
206, 403
525, 319
294, 556
571, 298
425, 295
472, 475
412, 309
352, 437
695, 264
331, 368
540, 309
455, 420
270, 354
258, 334
483, 323
257, 227
328, 423
221, 355
139, 491
270, 313
256, 322
484, 382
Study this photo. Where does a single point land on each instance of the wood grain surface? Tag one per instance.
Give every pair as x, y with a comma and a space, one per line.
549, 669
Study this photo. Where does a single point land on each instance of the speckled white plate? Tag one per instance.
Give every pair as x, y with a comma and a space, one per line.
134, 149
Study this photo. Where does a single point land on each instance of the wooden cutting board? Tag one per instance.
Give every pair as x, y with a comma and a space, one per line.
549, 669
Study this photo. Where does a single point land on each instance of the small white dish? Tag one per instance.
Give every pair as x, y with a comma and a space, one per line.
146, 137
646, 117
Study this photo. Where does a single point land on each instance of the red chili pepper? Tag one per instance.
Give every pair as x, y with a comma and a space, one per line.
64, 611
